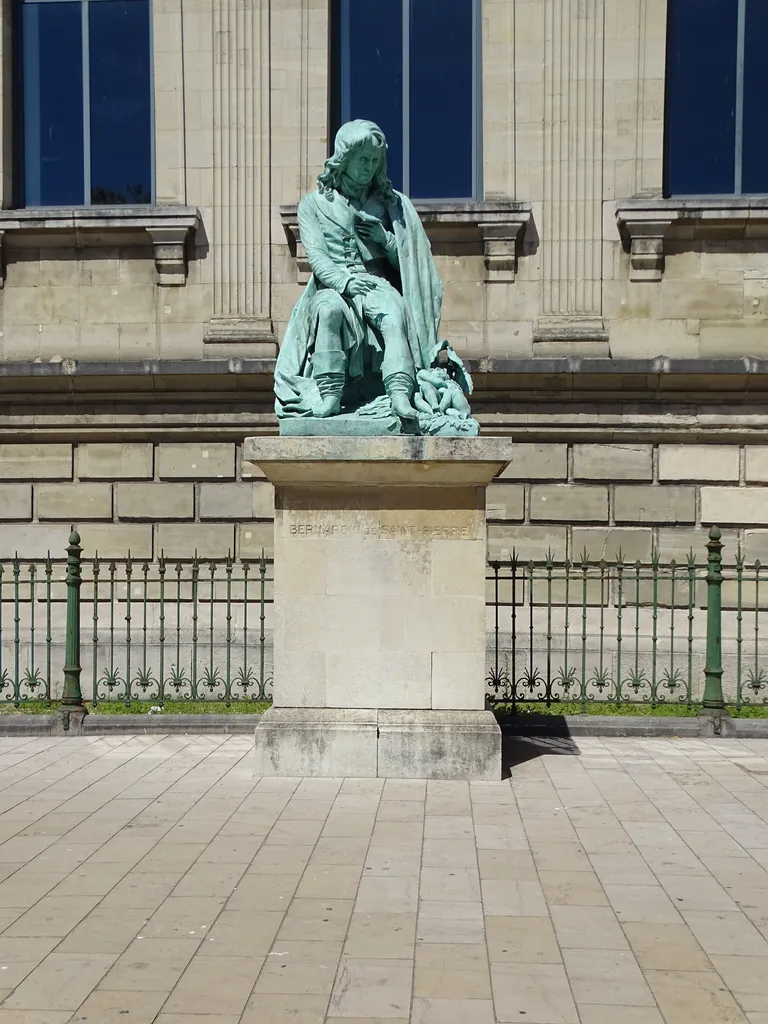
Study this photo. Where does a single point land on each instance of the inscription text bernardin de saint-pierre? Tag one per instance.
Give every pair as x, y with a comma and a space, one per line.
386, 532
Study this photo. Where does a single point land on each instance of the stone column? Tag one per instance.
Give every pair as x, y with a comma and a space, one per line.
241, 281
635, 64
299, 129
499, 128
571, 229
643, 129
170, 128
379, 638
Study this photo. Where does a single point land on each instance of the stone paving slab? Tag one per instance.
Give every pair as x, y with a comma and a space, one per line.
154, 880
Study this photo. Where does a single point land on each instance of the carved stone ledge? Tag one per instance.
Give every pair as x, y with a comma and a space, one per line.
647, 224
245, 334
496, 228
570, 335
170, 229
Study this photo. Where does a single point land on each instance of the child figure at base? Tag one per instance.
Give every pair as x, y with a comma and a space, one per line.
440, 393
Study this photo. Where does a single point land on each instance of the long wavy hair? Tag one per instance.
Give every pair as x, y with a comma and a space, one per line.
352, 136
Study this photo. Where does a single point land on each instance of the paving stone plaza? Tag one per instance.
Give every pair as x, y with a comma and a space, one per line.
156, 880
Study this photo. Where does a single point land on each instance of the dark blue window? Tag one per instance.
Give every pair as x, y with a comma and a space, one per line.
754, 157
412, 67
716, 89
87, 102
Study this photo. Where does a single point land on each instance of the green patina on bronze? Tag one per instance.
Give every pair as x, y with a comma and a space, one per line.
362, 353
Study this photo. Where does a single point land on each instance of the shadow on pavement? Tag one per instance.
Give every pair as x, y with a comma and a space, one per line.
516, 749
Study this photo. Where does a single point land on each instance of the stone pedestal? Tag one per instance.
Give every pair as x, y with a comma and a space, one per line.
379, 637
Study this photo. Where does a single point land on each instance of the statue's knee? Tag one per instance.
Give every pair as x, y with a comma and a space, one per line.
396, 320
330, 315
395, 332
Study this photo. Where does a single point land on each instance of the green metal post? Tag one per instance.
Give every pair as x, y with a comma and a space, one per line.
713, 671
72, 698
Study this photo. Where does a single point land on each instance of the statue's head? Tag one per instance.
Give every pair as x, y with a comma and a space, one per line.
360, 153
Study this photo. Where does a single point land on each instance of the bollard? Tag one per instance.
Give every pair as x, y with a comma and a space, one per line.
713, 671
73, 711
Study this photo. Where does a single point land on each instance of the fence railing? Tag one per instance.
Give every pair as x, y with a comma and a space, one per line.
589, 631
627, 632
579, 631
126, 630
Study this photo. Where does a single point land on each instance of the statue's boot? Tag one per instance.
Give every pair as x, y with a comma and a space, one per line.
329, 371
400, 387
330, 386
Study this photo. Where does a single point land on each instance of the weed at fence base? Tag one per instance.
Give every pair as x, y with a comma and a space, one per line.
619, 710
171, 707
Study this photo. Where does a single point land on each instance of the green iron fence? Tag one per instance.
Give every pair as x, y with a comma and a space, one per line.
126, 630
613, 631
579, 631
745, 598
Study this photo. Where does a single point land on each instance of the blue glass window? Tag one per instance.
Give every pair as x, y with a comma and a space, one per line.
717, 82
412, 67
754, 157
87, 102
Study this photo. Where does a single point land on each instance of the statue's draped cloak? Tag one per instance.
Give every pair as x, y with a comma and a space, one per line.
296, 392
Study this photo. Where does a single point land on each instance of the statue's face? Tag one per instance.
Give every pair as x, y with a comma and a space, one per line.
362, 163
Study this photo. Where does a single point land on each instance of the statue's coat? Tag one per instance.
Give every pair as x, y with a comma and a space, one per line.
296, 392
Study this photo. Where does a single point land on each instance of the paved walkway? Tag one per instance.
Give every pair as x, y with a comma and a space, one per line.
147, 879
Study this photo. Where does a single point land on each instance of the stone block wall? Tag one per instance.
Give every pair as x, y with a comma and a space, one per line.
180, 497
99, 301
710, 302
630, 497
148, 498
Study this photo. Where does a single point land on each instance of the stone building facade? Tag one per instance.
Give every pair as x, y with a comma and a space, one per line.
617, 333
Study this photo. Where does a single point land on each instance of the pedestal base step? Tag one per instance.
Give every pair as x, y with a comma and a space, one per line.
367, 744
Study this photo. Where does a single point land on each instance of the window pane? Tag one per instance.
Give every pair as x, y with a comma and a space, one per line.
372, 71
441, 100
701, 97
121, 115
53, 104
754, 170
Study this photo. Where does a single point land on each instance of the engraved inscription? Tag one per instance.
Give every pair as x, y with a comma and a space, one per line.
384, 532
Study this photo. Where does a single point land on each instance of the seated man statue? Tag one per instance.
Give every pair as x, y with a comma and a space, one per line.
369, 317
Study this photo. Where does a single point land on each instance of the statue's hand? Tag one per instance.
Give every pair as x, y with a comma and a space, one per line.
360, 286
370, 228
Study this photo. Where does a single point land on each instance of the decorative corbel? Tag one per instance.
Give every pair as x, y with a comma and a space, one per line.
643, 237
501, 242
646, 254
289, 217
170, 245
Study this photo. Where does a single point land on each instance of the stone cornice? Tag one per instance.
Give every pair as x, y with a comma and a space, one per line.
169, 229
572, 373
657, 366
582, 399
646, 224
497, 227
